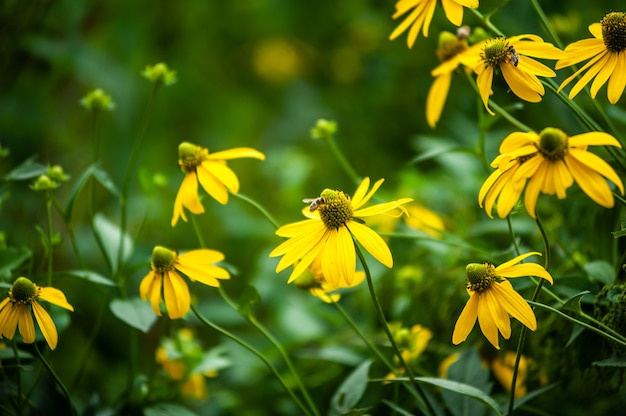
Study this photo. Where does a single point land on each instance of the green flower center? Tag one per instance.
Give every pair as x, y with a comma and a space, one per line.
23, 291
163, 259
480, 276
498, 51
553, 143
614, 31
450, 45
336, 209
190, 156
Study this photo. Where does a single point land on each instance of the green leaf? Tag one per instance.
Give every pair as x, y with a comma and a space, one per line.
212, 360
467, 369
397, 408
7, 353
11, 258
134, 312
109, 236
611, 362
464, 389
91, 277
27, 170
529, 396
573, 303
600, 271
166, 409
351, 390
98, 173
247, 300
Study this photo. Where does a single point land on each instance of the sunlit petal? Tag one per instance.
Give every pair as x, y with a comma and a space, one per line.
466, 320
48, 329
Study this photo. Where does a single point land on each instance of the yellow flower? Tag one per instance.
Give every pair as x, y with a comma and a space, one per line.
493, 299
15, 310
334, 219
422, 218
512, 57
607, 59
422, 14
211, 171
502, 368
412, 343
550, 162
197, 265
318, 286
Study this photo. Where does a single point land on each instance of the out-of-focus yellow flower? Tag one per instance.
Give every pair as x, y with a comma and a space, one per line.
315, 282
502, 367
277, 60
411, 342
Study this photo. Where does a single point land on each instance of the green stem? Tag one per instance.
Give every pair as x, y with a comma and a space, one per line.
486, 21
341, 159
56, 379
16, 352
259, 207
512, 233
70, 231
253, 351
546, 23
381, 316
50, 243
523, 332
608, 329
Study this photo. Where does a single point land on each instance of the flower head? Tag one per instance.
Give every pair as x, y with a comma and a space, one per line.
334, 219
22, 303
97, 100
422, 14
549, 163
315, 282
493, 299
160, 74
513, 58
606, 54
164, 283
211, 171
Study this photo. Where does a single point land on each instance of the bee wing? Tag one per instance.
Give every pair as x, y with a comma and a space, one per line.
308, 200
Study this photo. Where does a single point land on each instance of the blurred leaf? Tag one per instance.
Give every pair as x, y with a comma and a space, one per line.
11, 258
336, 354
529, 396
91, 277
92, 170
464, 389
358, 412
576, 331
467, 369
611, 362
397, 408
247, 300
212, 360
600, 271
134, 312
109, 236
351, 390
7, 353
573, 303
27, 170
167, 409
621, 232
435, 151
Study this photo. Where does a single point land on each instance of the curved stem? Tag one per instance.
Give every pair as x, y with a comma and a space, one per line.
381, 316
342, 159
512, 233
259, 207
56, 379
485, 20
253, 351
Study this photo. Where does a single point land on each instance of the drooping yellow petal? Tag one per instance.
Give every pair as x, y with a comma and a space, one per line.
212, 185
222, 173
593, 184
498, 313
154, 292
176, 294
56, 297
588, 76
466, 320
486, 322
484, 81
339, 258
187, 197
436, 98
146, 285
607, 68
308, 258
596, 163
295, 248
236, 153
617, 81
48, 329
26, 325
372, 242
8, 319
454, 11
531, 194
514, 304
525, 86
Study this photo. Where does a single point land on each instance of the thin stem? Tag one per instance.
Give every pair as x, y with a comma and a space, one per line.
546, 23
70, 231
485, 20
56, 379
608, 329
50, 243
523, 332
341, 158
392, 341
16, 352
259, 207
512, 233
253, 351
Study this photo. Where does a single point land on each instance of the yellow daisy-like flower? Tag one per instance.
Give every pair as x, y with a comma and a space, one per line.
422, 14
493, 299
513, 58
334, 219
503, 368
15, 310
318, 286
164, 283
606, 54
549, 163
211, 171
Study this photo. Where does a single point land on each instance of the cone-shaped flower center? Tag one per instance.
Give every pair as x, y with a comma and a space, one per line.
614, 31
336, 209
480, 276
450, 45
163, 259
190, 156
498, 51
23, 291
553, 143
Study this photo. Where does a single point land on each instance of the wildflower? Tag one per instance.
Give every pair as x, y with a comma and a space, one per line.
607, 60
318, 286
422, 15
493, 299
197, 265
97, 100
550, 162
324, 129
56, 173
502, 368
15, 310
160, 74
211, 171
512, 56
334, 219
424, 219
412, 343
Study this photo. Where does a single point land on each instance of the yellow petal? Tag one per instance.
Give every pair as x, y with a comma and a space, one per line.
222, 173
26, 325
307, 260
299, 227
381, 208
597, 164
486, 321
453, 11
498, 313
527, 269
212, 185
514, 304
339, 258
436, 98
176, 294
606, 70
296, 248
8, 319
359, 194
590, 182
154, 292
372, 242
524, 85
55, 296
592, 72
187, 197
205, 274
532, 193
595, 138
484, 80
236, 153
617, 81
515, 260
466, 320
200, 257
46, 324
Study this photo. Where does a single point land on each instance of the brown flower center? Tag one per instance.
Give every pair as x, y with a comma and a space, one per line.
614, 31
336, 209
450, 45
480, 276
498, 51
553, 143
23, 291
190, 156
